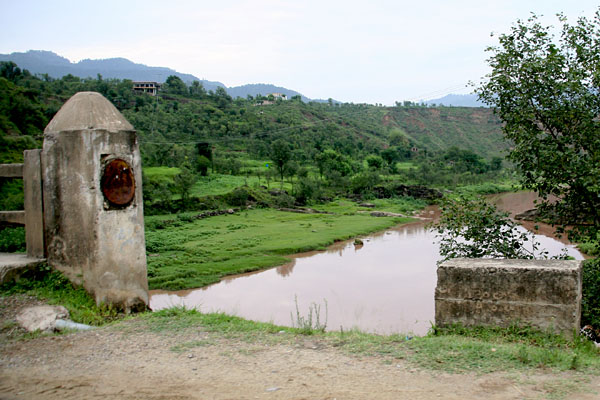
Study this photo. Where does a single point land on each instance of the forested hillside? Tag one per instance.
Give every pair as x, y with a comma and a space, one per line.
183, 115
346, 146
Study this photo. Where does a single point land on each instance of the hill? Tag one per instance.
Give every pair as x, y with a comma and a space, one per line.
184, 116
264, 89
438, 128
46, 62
345, 145
457, 100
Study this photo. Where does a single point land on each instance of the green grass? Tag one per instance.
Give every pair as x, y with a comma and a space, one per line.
53, 288
404, 166
216, 184
200, 252
455, 349
400, 205
161, 173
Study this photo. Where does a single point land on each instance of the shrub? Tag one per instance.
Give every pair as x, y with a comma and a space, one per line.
12, 239
476, 229
590, 301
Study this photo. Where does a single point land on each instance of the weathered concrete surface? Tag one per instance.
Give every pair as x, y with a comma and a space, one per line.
95, 244
541, 293
13, 265
34, 216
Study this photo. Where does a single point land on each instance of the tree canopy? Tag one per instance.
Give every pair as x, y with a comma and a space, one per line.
546, 89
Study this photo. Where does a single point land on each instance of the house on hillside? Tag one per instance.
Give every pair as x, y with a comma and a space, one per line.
278, 96
150, 88
271, 99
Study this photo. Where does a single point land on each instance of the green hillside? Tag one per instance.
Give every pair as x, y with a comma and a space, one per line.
181, 116
437, 128
322, 149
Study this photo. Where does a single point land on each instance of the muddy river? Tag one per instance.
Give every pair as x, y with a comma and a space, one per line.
384, 286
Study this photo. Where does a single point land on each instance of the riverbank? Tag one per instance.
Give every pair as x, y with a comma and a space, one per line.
187, 252
187, 355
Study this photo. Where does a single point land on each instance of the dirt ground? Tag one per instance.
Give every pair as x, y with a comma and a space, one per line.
128, 361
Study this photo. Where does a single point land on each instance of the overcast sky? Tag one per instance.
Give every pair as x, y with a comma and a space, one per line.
354, 51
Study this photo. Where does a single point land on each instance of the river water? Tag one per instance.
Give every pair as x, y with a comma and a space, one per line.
384, 286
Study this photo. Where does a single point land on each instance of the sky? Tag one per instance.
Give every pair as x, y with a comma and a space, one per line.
370, 51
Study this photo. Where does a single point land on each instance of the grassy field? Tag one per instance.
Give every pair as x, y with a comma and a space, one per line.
185, 252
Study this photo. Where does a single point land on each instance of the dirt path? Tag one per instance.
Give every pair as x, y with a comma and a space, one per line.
127, 361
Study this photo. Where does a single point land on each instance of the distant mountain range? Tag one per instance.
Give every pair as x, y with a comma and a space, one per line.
458, 100
47, 62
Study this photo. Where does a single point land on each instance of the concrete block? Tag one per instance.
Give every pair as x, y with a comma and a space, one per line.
545, 294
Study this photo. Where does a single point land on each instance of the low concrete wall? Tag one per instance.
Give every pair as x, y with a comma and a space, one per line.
488, 292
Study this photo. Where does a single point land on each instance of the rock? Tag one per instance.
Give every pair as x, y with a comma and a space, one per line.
41, 318
416, 191
528, 215
385, 214
303, 210
367, 205
358, 242
230, 211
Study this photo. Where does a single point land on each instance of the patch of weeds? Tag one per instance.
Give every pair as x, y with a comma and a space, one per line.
51, 286
312, 322
173, 319
360, 343
178, 319
12, 239
458, 348
557, 389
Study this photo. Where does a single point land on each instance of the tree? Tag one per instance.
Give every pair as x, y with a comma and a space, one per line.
204, 159
474, 228
175, 85
331, 161
546, 91
280, 154
184, 181
197, 90
374, 161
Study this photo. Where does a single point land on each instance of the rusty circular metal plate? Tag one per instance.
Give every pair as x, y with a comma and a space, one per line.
118, 183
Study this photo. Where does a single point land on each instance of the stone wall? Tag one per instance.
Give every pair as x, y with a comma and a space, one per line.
542, 293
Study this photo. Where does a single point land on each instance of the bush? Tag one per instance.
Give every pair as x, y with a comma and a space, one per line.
590, 301
364, 183
12, 239
307, 190
473, 228
283, 200
239, 196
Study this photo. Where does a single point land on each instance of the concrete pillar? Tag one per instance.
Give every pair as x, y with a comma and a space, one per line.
93, 209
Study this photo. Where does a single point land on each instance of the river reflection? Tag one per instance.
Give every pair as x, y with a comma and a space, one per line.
384, 286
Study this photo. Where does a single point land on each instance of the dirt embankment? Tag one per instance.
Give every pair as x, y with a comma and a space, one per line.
130, 361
